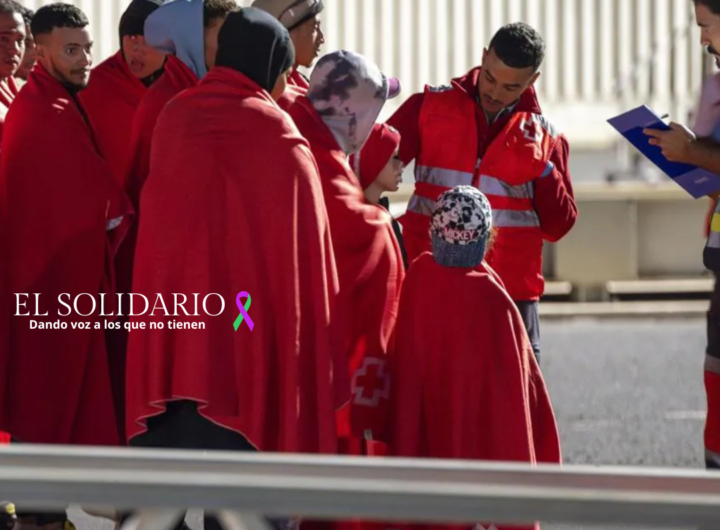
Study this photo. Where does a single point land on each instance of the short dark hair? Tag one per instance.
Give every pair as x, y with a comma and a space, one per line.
519, 46
215, 9
10, 7
59, 15
712, 5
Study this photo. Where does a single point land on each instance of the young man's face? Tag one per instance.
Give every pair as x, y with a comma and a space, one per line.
308, 39
29, 57
66, 53
12, 43
499, 85
709, 24
141, 58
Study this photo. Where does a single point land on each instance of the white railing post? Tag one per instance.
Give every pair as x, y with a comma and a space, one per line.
553, 73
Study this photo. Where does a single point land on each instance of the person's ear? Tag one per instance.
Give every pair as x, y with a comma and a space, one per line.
484, 55
40, 51
534, 78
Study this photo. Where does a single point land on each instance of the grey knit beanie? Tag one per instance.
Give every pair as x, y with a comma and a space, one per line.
460, 227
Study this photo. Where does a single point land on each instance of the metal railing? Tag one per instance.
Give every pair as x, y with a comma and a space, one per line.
242, 486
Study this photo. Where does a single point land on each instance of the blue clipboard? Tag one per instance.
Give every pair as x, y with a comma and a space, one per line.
696, 181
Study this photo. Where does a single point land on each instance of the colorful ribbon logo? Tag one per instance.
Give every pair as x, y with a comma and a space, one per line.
243, 311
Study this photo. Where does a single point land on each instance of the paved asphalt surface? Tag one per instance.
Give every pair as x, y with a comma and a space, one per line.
625, 393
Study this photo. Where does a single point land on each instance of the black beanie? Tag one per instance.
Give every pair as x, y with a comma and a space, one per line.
255, 44
133, 19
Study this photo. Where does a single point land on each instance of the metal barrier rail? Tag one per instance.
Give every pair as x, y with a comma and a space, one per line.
372, 488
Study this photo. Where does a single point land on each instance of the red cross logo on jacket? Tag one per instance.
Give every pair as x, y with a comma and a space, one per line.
371, 382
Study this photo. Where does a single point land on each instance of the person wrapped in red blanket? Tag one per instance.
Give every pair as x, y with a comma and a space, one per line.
63, 217
187, 32
218, 218
379, 170
347, 93
462, 380
118, 84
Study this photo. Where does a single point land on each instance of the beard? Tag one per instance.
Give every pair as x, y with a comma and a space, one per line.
71, 85
68, 78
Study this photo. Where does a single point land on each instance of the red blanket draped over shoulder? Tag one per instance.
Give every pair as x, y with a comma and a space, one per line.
298, 81
111, 99
369, 261
177, 77
218, 218
465, 383
63, 218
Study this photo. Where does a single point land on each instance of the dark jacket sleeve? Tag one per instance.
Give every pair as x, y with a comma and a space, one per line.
407, 121
385, 203
554, 199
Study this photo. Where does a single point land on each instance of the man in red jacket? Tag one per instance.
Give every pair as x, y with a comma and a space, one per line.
454, 133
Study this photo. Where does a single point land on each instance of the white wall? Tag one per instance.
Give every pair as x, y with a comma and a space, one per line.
592, 45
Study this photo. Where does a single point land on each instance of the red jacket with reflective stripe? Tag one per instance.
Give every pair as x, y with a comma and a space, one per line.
553, 194
507, 173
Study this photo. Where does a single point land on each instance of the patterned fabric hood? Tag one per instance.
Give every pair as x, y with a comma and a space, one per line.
348, 91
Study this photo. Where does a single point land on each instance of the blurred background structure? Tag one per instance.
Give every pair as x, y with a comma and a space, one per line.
602, 55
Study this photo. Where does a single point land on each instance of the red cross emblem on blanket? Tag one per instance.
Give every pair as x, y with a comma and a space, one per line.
531, 129
371, 383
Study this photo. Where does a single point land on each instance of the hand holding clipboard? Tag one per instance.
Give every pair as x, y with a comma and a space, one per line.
650, 135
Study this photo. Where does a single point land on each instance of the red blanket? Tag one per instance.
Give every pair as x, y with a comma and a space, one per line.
296, 80
63, 218
464, 381
111, 99
368, 258
218, 218
177, 77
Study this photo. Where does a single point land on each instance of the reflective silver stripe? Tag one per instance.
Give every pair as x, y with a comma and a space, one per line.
712, 457
545, 124
548, 169
714, 240
712, 365
439, 88
492, 186
515, 218
112, 224
421, 205
442, 177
